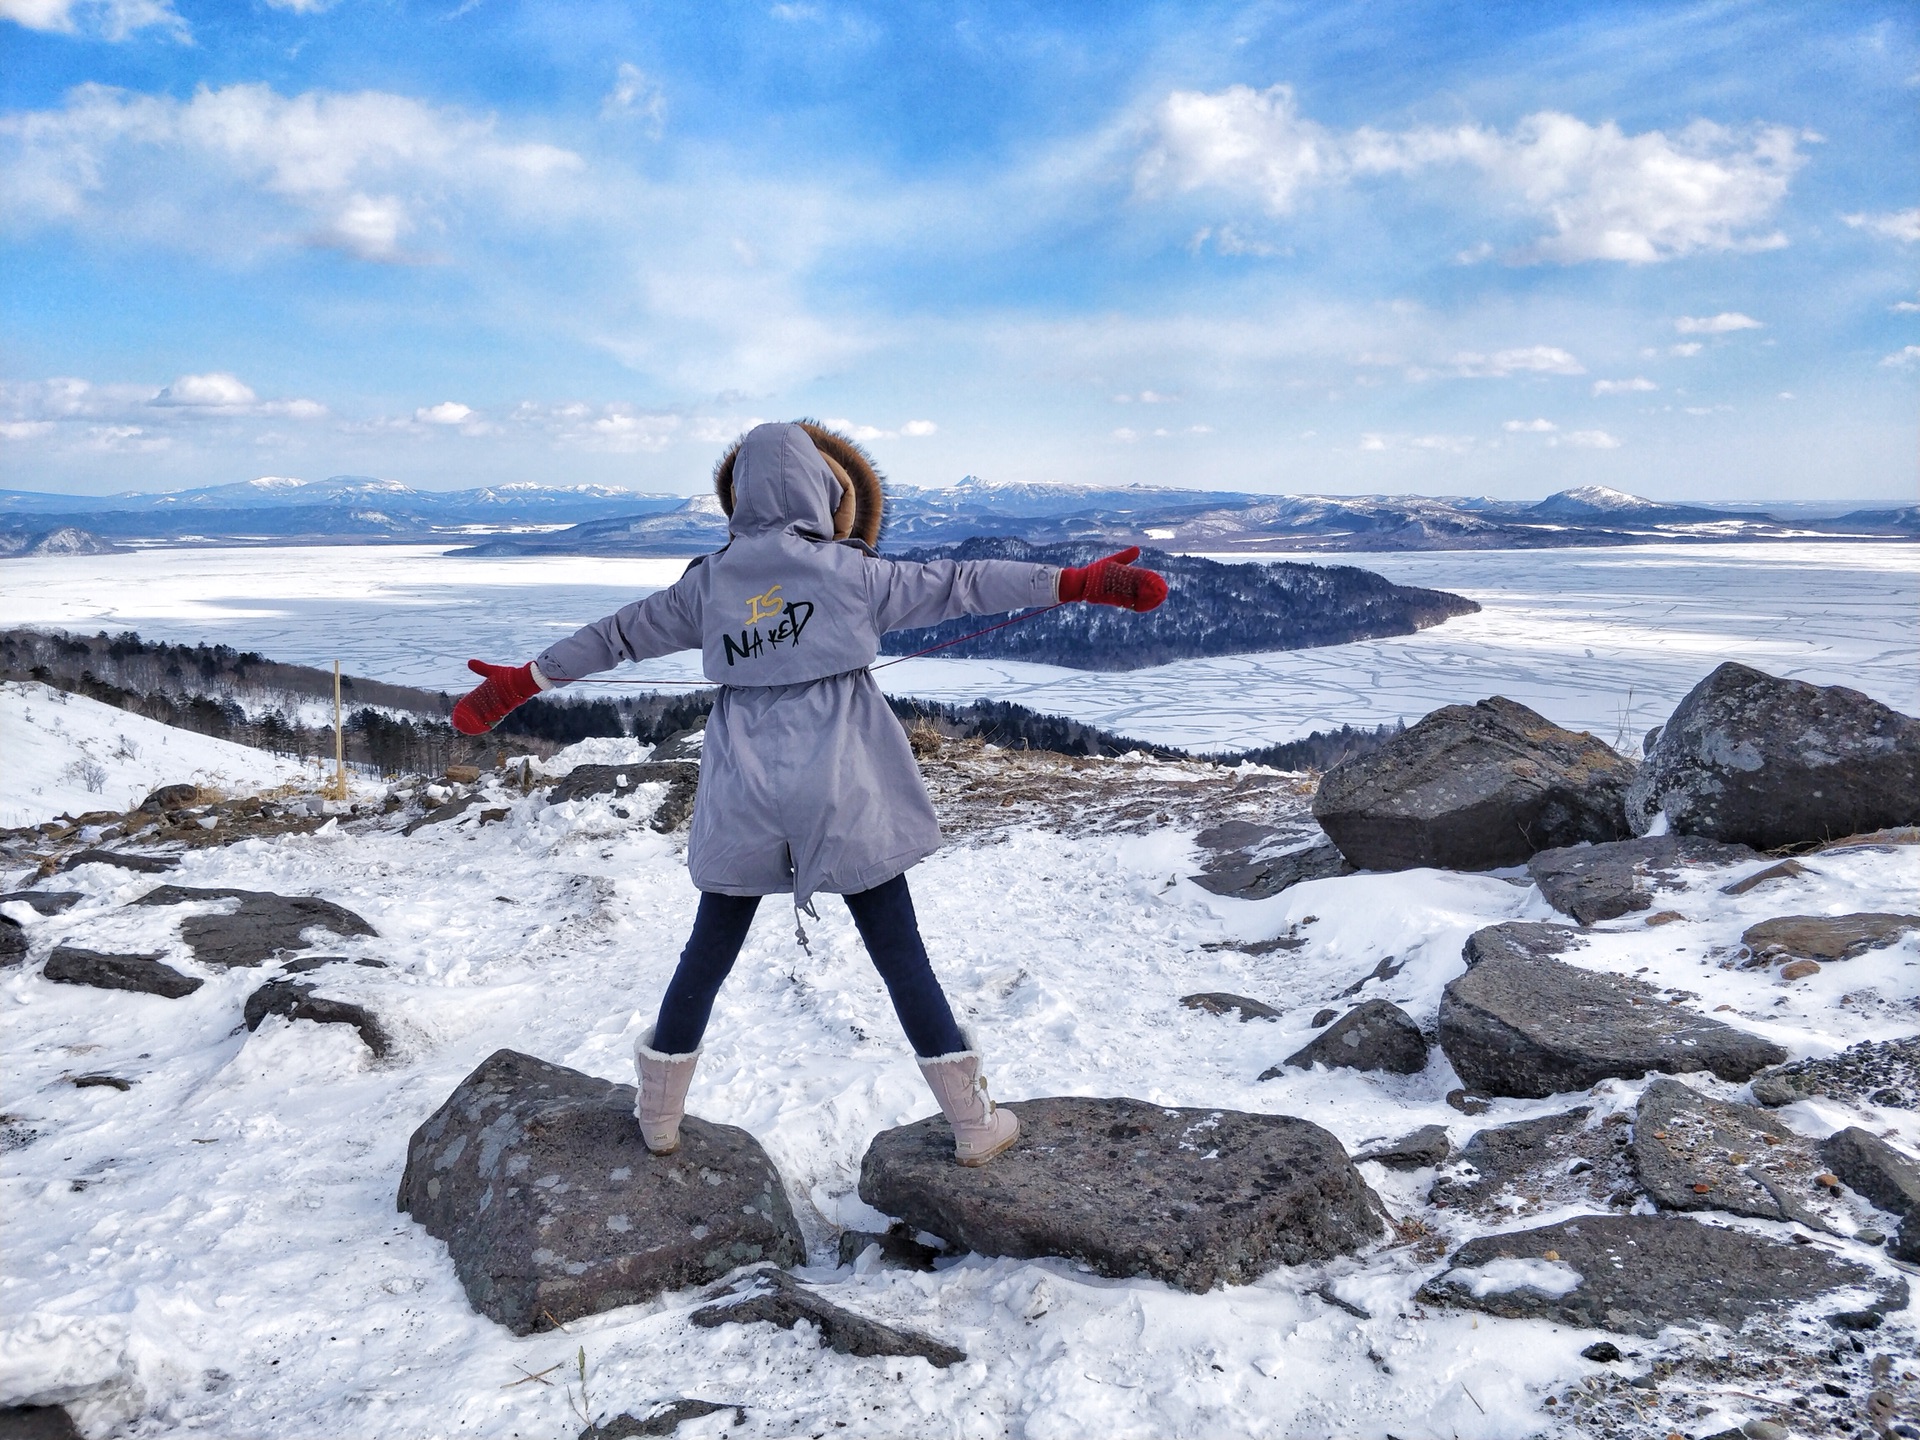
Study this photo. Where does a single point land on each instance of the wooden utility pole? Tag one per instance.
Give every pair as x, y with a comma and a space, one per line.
339, 741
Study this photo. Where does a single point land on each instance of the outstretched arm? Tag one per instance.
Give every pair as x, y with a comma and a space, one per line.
907, 596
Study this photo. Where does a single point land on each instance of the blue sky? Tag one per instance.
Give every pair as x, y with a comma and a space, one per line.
1389, 248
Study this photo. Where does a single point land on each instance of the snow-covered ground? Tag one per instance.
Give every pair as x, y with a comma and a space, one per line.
62, 753
216, 1250
1604, 640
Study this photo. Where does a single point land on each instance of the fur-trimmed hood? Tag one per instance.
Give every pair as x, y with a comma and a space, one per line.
801, 477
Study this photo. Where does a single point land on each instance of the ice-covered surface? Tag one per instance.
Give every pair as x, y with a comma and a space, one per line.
216, 1249
66, 754
1606, 640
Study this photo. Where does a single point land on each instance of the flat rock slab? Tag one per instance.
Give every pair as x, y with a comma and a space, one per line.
1874, 1072
1521, 940
293, 1001
70, 965
1637, 1274
1766, 762
536, 1178
661, 1420
262, 926
1497, 1157
1377, 1035
1603, 882
1246, 861
1474, 787
44, 902
1197, 1198
1414, 1151
1825, 937
123, 859
1775, 874
774, 1298
1222, 1002
1536, 1027
1697, 1153
440, 814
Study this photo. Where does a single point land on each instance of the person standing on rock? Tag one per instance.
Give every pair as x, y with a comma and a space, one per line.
807, 783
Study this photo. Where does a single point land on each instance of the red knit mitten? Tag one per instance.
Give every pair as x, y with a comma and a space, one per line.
1114, 581
505, 687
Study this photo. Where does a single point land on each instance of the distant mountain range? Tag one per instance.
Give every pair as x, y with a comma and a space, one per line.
536, 519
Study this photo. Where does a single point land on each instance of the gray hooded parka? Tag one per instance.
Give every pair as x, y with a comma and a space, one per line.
807, 782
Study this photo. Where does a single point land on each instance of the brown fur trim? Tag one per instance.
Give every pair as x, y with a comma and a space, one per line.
862, 497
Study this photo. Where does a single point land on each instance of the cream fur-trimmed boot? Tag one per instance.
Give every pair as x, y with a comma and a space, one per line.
663, 1094
981, 1130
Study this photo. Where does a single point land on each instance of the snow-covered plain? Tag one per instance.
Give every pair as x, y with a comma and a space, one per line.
1604, 640
216, 1250
68, 754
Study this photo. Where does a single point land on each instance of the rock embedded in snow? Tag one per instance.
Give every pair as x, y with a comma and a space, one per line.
293, 1001
37, 1422
1222, 1002
536, 1178
122, 859
1503, 1155
682, 744
1766, 762
1874, 1072
772, 1297
1377, 1035
70, 965
170, 797
1247, 861
13, 942
1867, 1164
1697, 1153
1520, 940
1603, 882
664, 1419
1196, 1198
1641, 1273
262, 926
1825, 937
1474, 787
44, 902
1538, 1027
1414, 1151
1772, 875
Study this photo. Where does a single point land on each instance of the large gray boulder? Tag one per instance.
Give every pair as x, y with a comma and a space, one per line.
1697, 1153
1196, 1198
1874, 1072
1754, 759
1474, 787
1533, 1027
1637, 1274
1603, 882
262, 926
536, 1178
1377, 1035
1886, 1176
1826, 937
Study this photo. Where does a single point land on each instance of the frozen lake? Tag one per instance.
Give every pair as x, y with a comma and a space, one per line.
1603, 640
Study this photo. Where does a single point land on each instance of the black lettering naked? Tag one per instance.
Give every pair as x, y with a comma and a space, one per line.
752, 640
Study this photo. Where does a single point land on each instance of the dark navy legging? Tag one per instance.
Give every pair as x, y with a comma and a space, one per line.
883, 915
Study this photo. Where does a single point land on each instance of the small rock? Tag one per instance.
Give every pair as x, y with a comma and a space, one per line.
1474, 787
1497, 1157
897, 1247
36, 1422
1639, 1273
1244, 864
1872, 1167
1196, 1198
1423, 1147
1751, 758
1800, 970
1377, 1035
660, 1421
778, 1299
1602, 1352
170, 797
1602, 882
463, 775
1874, 1072
1324, 1017
1537, 1027
1784, 870
682, 744
124, 859
1520, 940
70, 965
298, 1002
536, 1178
440, 814
102, 1082
1221, 1002
1665, 917
13, 941
306, 963
1825, 937
1468, 1104
1385, 970
44, 902
1697, 1153
261, 927
1856, 1320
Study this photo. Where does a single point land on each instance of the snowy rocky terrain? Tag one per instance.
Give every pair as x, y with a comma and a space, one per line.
199, 1202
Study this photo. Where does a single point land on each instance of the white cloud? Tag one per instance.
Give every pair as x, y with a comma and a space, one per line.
1907, 355
97, 19
1147, 397
302, 7
1623, 387
1373, 442
1126, 435
634, 95
1686, 349
217, 389
918, 429
447, 412
1587, 440
1530, 427
356, 172
1905, 307
1602, 193
1901, 225
914, 429
795, 14
24, 429
1725, 323
1451, 444
1524, 360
